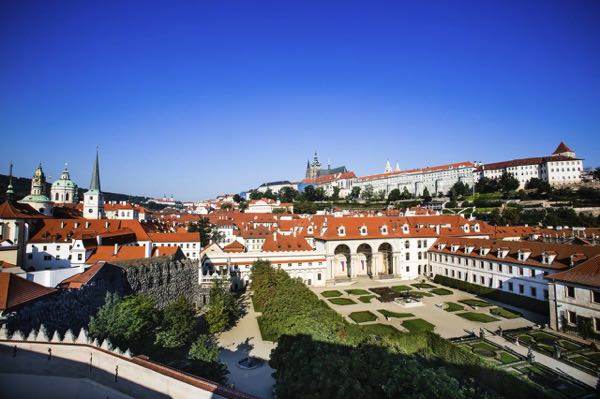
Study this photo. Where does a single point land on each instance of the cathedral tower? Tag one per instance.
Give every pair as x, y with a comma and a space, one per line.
93, 201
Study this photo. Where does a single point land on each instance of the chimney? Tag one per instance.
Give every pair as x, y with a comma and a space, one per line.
62, 225
116, 250
275, 236
148, 253
99, 240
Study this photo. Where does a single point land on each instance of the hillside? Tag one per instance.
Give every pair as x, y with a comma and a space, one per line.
22, 186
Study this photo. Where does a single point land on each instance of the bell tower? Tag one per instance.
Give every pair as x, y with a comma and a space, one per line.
93, 200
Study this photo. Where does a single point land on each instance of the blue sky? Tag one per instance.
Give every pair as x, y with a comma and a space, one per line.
199, 98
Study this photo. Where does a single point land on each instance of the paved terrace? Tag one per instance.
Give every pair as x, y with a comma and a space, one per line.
447, 324
243, 339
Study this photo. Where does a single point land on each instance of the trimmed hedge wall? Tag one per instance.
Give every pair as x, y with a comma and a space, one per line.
534, 305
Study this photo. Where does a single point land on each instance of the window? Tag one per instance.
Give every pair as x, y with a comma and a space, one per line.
452, 273
79, 256
521, 289
571, 317
482, 280
407, 256
532, 273
510, 286
596, 296
596, 323
406, 244
570, 292
474, 278
319, 277
408, 269
521, 271
509, 269
500, 284
533, 291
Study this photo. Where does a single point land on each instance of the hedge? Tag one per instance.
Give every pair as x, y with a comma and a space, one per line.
534, 305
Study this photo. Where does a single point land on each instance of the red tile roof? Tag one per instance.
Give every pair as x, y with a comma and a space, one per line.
16, 291
419, 170
174, 237
15, 210
562, 147
523, 161
277, 242
80, 279
234, 246
565, 253
587, 273
106, 253
63, 230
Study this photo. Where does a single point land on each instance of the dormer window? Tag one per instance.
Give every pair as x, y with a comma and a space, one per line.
476, 227
483, 251
405, 228
502, 252
341, 231
454, 247
384, 230
441, 246
466, 228
310, 229
363, 231
469, 249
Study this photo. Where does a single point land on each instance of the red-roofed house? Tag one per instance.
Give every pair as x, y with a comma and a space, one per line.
16, 292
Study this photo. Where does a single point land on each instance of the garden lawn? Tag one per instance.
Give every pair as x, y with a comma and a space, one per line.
356, 291
475, 303
507, 358
383, 330
397, 315
417, 325
419, 294
331, 293
507, 314
479, 317
453, 307
342, 301
362, 317
366, 298
441, 291
423, 285
401, 288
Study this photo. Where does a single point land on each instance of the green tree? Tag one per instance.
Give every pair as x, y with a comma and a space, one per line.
460, 189
208, 231
486, 185
426, 196
320, 194
256, 195
309, 193
394, 195
367, 193
269, 194
354, 193
508, 182
178, 326
406, 194
336, 194
204, 354
288, 194
129, 322
222, 307
237, 198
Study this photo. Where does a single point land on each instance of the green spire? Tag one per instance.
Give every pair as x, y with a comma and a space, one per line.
10, 193
95, 183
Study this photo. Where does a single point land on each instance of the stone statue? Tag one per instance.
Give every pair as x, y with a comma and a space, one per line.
530, 355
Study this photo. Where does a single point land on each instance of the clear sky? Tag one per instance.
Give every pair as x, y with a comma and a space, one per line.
198, 98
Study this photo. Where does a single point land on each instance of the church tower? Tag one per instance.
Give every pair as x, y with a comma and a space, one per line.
388, 167
37, 198
312, 170
64, 190
93, 201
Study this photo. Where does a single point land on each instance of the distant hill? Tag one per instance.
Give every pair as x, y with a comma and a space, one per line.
22, 187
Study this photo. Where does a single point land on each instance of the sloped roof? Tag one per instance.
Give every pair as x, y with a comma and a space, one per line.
562, 147
80, 279
234, 246
277, 242
587, 273
16, 210
16, 291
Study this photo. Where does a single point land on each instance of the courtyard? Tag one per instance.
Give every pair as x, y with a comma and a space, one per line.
449, 312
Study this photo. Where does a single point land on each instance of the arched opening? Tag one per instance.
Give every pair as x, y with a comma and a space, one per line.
342, 253
388, 257
366, 250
